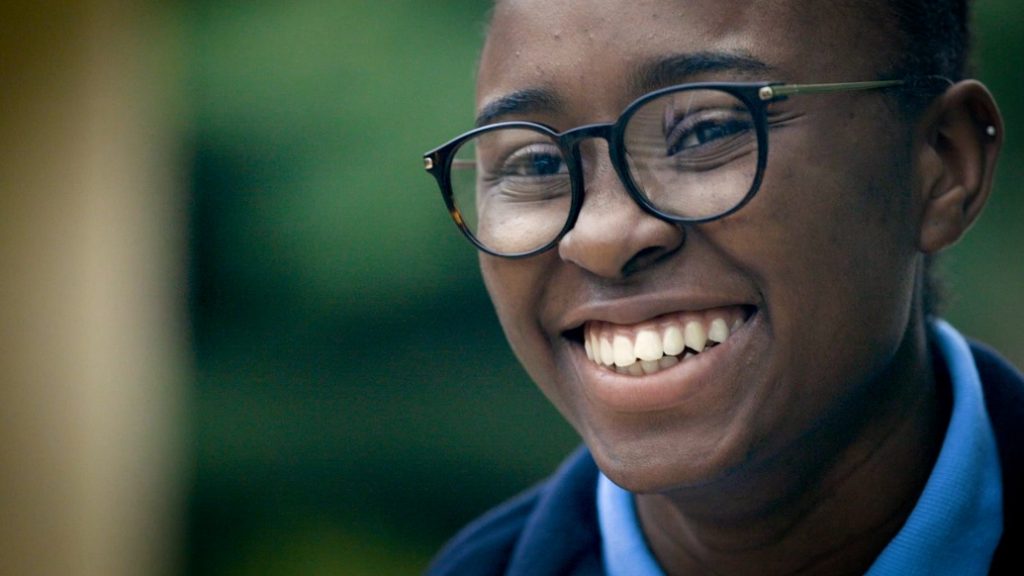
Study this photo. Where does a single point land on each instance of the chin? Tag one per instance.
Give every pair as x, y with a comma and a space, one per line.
653, 465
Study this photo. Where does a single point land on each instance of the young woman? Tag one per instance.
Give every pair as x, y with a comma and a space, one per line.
705, 227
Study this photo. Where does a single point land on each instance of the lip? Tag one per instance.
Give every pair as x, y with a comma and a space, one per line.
641, 309
663, 390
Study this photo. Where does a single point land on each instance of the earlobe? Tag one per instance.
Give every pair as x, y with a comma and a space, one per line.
959, 138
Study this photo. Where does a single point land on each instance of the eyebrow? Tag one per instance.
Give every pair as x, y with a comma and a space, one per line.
659, 73
679, 68
519, 102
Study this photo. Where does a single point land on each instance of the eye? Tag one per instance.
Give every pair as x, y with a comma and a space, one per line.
527, 172
536, 160
706, 130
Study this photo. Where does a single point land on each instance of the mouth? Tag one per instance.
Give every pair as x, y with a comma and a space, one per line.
660, 343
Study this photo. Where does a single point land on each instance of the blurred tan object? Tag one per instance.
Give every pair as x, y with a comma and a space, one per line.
91, 294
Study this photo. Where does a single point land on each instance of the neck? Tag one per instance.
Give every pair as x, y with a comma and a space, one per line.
830, 504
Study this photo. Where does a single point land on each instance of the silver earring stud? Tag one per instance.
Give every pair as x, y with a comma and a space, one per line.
991, 131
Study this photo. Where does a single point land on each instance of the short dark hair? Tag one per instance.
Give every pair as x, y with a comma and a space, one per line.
936, 36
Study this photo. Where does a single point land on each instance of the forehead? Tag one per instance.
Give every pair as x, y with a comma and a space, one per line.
591, 46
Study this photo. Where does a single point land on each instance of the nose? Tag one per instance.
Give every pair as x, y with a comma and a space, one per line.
613, 237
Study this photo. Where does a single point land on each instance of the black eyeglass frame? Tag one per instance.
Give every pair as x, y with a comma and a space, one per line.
755, 95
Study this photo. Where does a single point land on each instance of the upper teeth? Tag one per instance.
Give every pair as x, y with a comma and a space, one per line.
656, 345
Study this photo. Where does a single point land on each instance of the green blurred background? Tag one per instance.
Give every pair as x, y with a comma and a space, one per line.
354, 401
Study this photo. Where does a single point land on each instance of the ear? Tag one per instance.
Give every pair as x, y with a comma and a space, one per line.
957, 142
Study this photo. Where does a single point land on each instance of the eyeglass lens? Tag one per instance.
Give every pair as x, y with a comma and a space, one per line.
693, 154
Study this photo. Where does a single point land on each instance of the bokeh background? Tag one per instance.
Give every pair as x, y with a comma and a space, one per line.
354, 401
305, 375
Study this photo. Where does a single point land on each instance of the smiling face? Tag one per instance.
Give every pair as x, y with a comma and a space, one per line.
801, 304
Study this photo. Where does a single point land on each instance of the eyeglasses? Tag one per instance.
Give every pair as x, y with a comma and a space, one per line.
687, 154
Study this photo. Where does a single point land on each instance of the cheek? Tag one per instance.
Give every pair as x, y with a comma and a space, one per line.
517, 289
829, 241
837, 219
523, 291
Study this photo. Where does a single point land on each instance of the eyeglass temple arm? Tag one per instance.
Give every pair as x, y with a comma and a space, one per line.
766, 93
781, 90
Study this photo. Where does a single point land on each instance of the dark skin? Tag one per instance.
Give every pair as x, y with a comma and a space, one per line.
802, 444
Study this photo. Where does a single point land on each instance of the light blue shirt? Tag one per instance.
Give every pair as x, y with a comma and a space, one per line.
954, 528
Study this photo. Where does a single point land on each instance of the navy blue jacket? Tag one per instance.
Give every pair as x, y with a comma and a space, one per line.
552, 528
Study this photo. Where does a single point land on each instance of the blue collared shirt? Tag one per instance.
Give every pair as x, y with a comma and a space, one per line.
953, 529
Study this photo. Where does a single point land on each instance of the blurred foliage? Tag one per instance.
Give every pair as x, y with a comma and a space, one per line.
355, 400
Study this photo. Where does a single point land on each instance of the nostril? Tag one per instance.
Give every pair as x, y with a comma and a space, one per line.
646, 257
